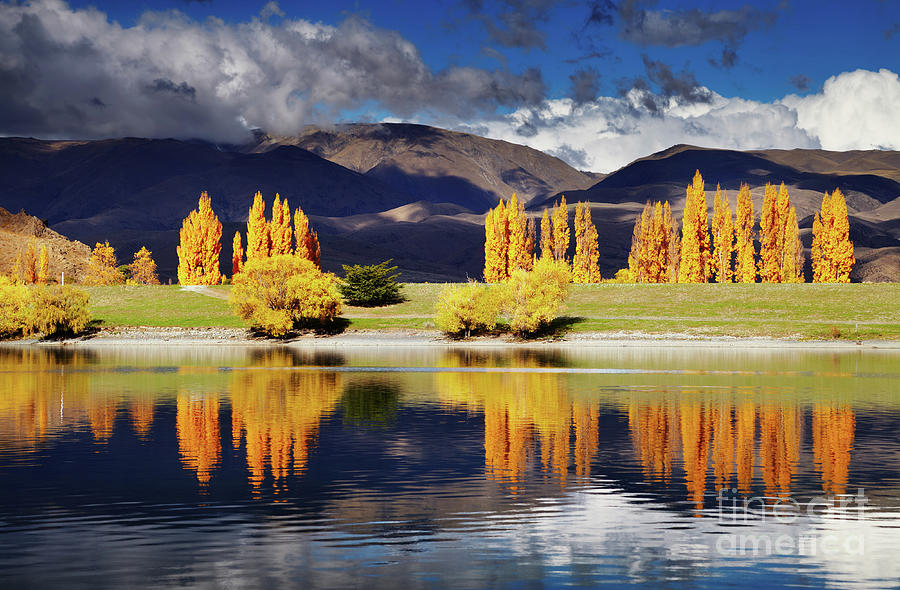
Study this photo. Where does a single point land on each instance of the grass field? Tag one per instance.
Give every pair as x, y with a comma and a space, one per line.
806, 311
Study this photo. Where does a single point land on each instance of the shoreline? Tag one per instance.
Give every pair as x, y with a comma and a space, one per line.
177, 337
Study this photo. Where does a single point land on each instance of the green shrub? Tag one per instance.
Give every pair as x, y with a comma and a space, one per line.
275, 295
532, 299
371, 285
14, 309
59, 310
462, 310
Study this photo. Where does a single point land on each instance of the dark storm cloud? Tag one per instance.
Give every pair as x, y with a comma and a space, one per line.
585, 85
513, 23
681, 86
677, 28
801, 82
727, 61
166, 86
67, 72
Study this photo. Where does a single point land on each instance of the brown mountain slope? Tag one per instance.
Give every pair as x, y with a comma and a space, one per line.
20, 229
438, 165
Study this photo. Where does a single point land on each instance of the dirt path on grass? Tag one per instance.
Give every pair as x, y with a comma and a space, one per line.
203, 290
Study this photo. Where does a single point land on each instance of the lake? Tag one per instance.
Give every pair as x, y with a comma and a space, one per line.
259, 467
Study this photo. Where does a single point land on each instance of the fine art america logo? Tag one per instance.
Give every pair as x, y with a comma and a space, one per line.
818, 527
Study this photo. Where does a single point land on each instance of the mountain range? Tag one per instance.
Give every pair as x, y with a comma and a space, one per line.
413, 193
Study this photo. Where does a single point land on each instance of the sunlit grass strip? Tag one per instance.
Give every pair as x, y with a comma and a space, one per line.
806, 311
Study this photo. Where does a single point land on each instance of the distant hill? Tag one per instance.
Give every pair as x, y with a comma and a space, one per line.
413, 193
20, 229
437, 165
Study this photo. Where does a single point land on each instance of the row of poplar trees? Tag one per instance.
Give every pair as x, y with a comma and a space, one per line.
201, 235
510, 240
727, 253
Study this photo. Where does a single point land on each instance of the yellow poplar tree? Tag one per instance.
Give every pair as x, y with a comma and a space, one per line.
770, 238
102, 267
529, 243
841, 246
517, 255
43, 266
695, 247
673, 255
561, 230
587, 254
259, 244
792, 266
237, 254
29, 265
723, 238
638, 254
280, 231
201, 244
546, 235
745, 255
832, 250
496, 245
307, 240
143, 268
657, 251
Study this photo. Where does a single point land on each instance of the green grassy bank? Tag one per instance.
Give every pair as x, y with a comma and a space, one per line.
806, 311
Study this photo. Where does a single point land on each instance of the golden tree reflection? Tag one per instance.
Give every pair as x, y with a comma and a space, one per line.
197, 427
529, 419
833, 429
277, 414
727, 441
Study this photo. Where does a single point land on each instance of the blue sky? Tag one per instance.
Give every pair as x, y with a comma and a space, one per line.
595, 82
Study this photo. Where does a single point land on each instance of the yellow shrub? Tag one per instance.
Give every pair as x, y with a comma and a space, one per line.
274, 295
14, 299
532, 299
462, 310
59, 311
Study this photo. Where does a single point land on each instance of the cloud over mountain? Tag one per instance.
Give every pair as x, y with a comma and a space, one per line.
854, 110
73, 73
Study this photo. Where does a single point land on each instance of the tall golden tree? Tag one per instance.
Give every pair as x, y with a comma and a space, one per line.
695, 246
259, 243
201, 244
496, 244
29, 264
561, 233
546, 235
657, 251
102, 267
723, 238
770, 237
529, 243
307, 239
832, 250
587, 254
637, 256
43, 266
517, 222
143, 268
792, 258
672, 254
280, 230
237, 254
745, 255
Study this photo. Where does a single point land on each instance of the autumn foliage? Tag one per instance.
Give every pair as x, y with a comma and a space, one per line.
198, 252
587, 253
655, 246
695, 265
143, 268
832, 250
102, 267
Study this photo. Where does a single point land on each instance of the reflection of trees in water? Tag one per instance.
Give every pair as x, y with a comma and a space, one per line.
197, 428
833, 428
283, 356
732, 439
277, 415
518, 357
371, 402
529, 419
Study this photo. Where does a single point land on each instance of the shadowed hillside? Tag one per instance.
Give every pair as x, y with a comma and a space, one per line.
20, 229
437, 165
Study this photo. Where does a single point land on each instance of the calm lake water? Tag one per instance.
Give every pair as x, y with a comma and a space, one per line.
264, 467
